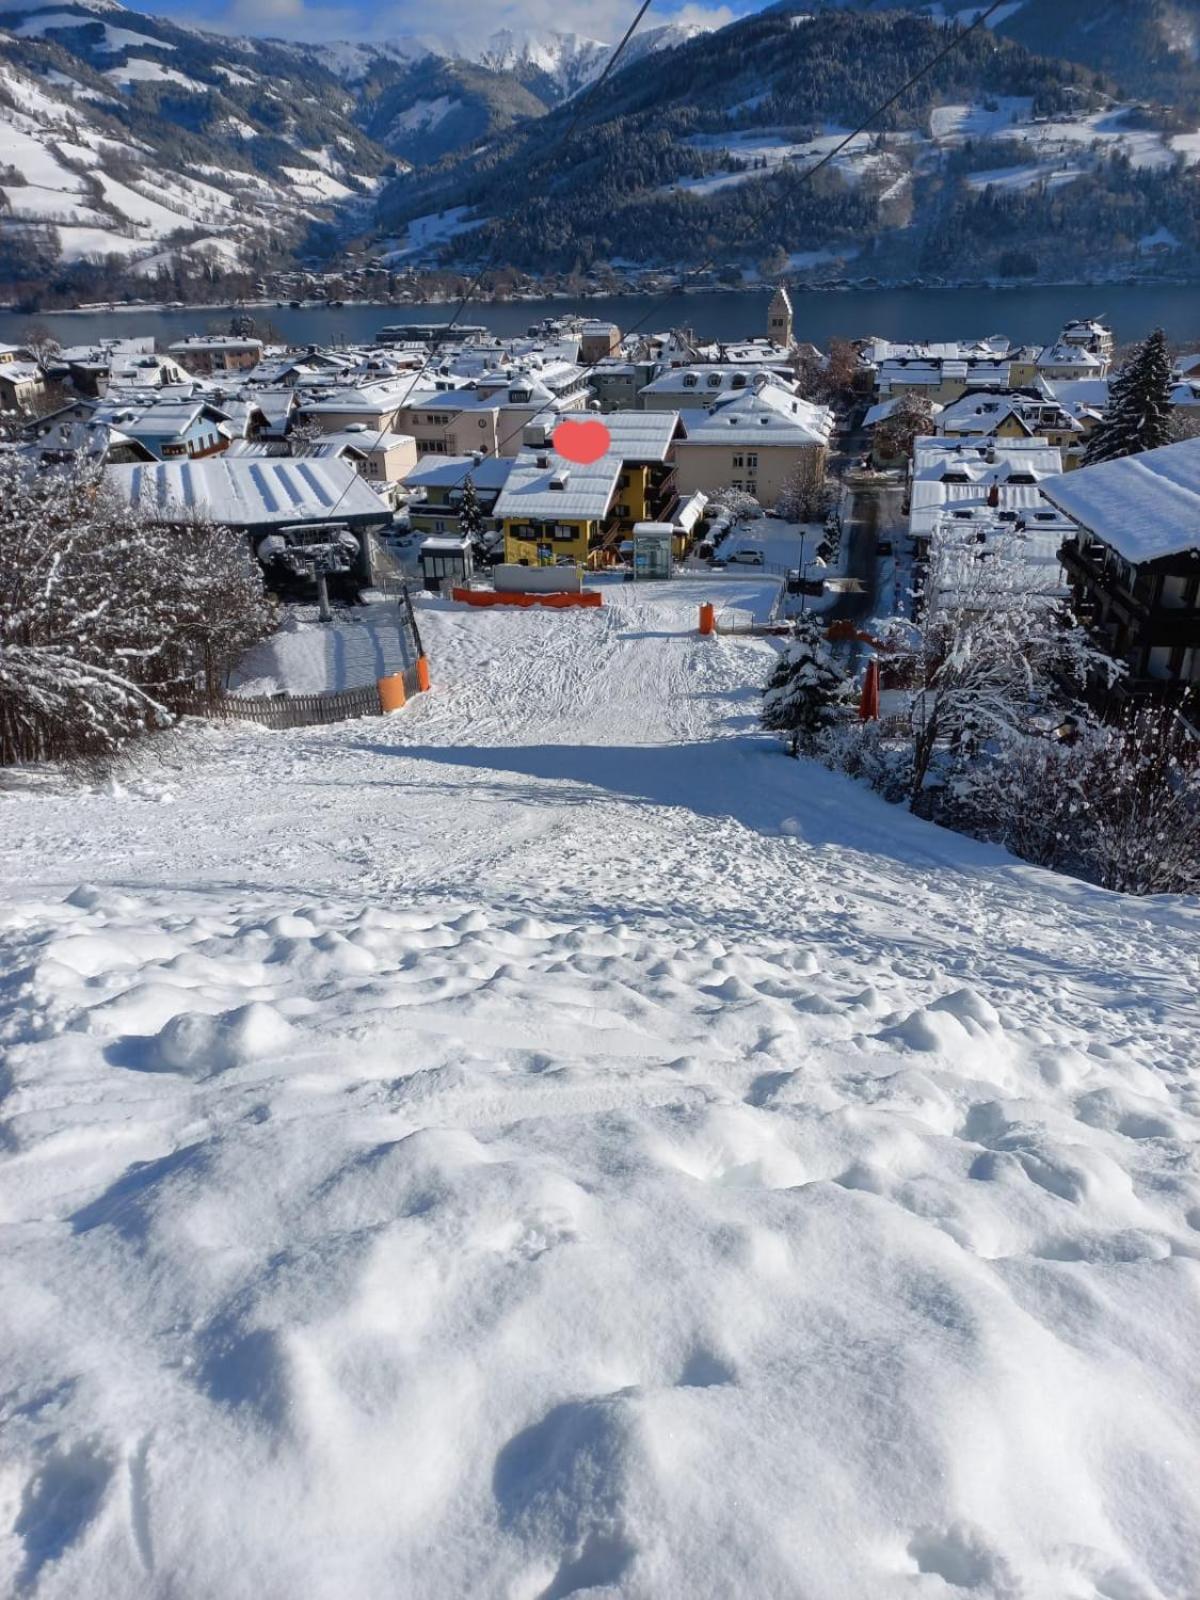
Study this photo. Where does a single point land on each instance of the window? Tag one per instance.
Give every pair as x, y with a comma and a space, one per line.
752, 462
736, 484
752, 487
714, 380
690, 380
739, 461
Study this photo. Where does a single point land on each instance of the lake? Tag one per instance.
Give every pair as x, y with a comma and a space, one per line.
1026, 315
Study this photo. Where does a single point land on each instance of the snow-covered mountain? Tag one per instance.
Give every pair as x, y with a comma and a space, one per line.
568, 61
123, 135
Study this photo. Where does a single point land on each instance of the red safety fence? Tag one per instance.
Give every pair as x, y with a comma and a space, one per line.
492, 597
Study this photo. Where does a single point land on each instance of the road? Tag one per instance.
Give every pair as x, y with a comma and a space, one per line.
872, 513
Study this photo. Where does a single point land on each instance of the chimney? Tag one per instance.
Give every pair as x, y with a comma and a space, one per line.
993, 498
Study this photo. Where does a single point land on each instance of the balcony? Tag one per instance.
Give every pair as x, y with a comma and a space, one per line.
1148, 623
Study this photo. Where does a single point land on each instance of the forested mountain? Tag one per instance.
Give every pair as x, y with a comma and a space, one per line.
1151, 47
701, 156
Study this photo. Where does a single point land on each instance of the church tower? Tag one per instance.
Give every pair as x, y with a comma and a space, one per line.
779, 318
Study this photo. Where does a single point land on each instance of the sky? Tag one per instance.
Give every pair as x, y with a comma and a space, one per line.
468, 21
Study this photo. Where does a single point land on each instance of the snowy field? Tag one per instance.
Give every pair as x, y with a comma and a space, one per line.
548, 1142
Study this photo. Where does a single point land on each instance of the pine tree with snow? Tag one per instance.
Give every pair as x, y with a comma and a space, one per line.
804, 689
470, 517
1138, 414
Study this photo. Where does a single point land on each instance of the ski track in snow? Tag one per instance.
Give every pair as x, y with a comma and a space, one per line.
547, 1142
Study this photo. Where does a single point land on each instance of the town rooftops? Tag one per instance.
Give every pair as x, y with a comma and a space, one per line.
1146, 507
244, 493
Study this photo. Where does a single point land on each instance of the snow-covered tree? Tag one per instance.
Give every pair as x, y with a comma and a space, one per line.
1142, 806
108, 621
1138, 414
996, 649
805, 688
911, 418
470, 517
40, 342
303, 433
737, 503
806, 495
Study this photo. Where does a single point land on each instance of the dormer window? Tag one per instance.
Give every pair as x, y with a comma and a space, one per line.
690, 380
714, 380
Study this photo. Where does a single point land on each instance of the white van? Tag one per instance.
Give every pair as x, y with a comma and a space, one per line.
747, 555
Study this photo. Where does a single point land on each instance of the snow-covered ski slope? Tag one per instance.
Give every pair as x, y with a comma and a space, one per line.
549, 1143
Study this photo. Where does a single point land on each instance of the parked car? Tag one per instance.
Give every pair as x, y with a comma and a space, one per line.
747, 556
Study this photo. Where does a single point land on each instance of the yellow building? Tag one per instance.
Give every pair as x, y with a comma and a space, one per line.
553, 510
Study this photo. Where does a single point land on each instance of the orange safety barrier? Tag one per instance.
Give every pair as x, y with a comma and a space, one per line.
708, 617
492, 597
422, 673
391, 692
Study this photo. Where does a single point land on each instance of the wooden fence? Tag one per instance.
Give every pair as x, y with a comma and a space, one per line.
295, 710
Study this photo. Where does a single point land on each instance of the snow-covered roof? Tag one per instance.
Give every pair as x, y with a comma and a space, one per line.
158, 420
212, 342
247, 493
1075, 356
585, 493
1077, 395
706, 379
767, 416
487, 472
951, 476
370, 440
445, 545
979, 413
1146, 507
689, 511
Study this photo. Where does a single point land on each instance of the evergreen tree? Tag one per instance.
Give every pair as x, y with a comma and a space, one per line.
470, 517
805, 687
1138, 414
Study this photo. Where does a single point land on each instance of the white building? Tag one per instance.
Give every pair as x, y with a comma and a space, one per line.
753, 441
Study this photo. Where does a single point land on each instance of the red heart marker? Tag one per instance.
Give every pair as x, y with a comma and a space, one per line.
583, 442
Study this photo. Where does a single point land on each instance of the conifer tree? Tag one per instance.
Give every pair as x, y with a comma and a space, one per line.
470, 517
1138, 414
805, 687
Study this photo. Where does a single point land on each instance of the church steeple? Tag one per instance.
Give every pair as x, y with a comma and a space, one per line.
779, 318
